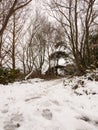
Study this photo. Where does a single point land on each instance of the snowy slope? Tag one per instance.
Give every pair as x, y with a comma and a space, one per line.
49, 105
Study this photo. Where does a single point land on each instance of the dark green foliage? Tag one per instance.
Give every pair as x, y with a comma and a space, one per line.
9, 76
93, 41
60, 44
58, 55
70, 69
54, 70
3, 76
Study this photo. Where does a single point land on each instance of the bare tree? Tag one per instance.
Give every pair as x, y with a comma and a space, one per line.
77, 19
14, 31
9, 8
39, 44
36, 46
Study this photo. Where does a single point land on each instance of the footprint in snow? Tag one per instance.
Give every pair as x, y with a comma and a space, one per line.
55, 102
13, 122
46, 113
5, 109
11, 126
87, 119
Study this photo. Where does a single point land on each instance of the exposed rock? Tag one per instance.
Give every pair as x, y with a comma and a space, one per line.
85, 118
81, 82
93, 93
18, 125
75, 87
90, 78
96, 78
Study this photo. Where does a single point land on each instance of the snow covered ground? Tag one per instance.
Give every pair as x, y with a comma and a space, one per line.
49, 105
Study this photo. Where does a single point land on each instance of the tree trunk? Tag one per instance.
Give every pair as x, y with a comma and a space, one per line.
0, 51
13, 43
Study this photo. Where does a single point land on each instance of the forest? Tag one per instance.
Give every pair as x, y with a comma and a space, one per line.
47, 39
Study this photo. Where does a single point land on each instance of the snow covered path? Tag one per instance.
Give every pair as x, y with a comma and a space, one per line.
49, 105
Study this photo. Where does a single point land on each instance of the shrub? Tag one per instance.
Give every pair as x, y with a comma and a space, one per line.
9, 75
